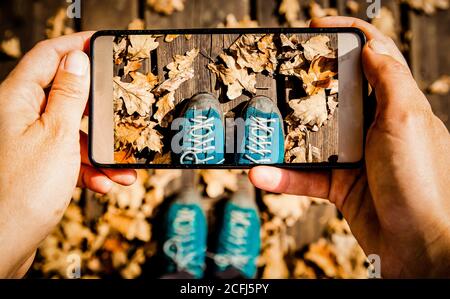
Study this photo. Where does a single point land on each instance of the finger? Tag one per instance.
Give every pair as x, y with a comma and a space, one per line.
395, 87
94, 180
41, 63
70, 90
369, 30
121, 176
277, 180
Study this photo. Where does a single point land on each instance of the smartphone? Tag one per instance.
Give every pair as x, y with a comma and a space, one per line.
227, 98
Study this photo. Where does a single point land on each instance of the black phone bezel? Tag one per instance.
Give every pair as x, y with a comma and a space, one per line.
304, 166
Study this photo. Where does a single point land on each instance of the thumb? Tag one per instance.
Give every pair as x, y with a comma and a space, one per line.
395, 88
69, 91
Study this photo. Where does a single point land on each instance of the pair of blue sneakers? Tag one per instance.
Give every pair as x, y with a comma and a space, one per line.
186, 236
201, 133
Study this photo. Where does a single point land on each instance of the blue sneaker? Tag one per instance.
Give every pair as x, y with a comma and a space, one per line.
185, 240
200, 132
239, 239
263, 138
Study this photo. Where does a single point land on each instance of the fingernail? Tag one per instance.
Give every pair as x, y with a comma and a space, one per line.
378, 47
76, 63
268, 177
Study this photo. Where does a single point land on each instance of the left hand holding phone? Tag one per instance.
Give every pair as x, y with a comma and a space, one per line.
43, 153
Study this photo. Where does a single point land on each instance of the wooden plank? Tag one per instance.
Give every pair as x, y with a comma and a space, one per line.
198, 13
106, 14
429, 56
266, 13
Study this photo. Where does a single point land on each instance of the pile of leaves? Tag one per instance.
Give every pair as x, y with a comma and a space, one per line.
141, 101
311, 61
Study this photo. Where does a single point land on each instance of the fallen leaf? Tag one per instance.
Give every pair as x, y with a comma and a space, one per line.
11, 46
141, 46
136, 24
132, 66
352, 6
232, 22
317, 11
310, 110
290, 9
290, 208
138, 137
440, 86
166, 7
180, 70
218, 180
255, 53
429, 7
235, 78
170, 37
316, 46
165, 104
136, 97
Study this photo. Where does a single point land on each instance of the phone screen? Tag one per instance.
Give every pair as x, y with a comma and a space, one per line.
226, 98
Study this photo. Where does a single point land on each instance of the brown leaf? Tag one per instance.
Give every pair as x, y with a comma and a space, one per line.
440, 86
170, 37
132, 66
180, 70
136, 97
316, 11
141, 46
255, 53
166, 7
311, 110
138, 137
136, 24
290, 9
11, 46
232, 22
219, 180
316, 46
165, 104
234, 77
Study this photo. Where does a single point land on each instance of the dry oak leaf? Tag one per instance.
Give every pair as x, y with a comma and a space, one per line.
316, 46
322, 254
180, 70
11, 47
166, 7
132, 66
235, 78
316, 11
352, 6
130, 227
165, 104
148, 81
440, 86
136, 97
293, 66
217, 180
170, 37
162, 158
320, 75
311, 110
119, 49
141, 46
232, 22
136, 24
289, 208
138, 138
290, 9
255, 53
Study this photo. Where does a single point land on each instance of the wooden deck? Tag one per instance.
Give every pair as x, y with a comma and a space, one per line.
427, 52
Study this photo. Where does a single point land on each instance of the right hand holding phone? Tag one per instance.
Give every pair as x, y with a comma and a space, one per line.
397, 205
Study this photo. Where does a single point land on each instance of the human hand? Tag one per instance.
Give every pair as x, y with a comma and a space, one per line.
398, 205
43, 153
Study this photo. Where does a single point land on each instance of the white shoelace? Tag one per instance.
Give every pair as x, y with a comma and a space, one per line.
173, 248
238, 236
259, 144
202, 141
